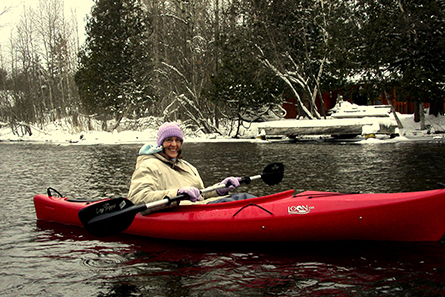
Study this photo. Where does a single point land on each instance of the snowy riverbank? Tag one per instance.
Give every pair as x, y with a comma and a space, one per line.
139, 131
63, 133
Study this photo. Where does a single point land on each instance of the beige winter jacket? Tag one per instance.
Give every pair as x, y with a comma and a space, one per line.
156, 177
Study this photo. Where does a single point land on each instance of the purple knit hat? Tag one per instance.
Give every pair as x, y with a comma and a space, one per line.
169, 130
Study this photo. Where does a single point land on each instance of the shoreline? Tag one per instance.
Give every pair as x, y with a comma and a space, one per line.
58, 133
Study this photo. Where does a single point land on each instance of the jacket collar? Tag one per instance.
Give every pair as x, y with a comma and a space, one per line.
174, 164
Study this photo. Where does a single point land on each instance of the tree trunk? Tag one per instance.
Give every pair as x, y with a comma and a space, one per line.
419, 115
436, 108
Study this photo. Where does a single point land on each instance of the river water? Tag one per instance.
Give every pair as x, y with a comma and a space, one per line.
47, 259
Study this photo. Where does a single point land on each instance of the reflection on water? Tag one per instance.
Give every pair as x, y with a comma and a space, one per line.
147, 267
39, 258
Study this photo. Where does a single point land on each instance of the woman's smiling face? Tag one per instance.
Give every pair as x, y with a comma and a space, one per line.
171, 146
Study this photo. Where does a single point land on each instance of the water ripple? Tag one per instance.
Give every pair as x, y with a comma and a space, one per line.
104, 260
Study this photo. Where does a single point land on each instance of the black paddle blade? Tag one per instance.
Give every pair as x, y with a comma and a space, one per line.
273, 174
108, 217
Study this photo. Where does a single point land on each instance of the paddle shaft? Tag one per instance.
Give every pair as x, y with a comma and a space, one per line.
168, 201
134, 209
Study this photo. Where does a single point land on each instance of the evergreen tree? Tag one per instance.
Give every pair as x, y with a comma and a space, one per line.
241, 85
114, 71
402, 45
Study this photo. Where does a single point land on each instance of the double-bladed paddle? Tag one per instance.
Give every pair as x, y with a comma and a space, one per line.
116, 215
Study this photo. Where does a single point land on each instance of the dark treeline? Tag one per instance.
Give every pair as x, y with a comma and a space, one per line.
207, 60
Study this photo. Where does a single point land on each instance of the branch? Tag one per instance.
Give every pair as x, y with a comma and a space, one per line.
175, 17
289, 83
175, 70
305, 85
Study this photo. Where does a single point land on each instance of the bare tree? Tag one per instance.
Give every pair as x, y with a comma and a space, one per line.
185, 65
43, 61
57, 35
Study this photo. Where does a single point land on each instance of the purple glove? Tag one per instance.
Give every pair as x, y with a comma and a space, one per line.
231, 183
193, 193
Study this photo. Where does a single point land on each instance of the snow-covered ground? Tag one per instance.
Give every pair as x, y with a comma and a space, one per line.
145, 130
411, 130
140, 131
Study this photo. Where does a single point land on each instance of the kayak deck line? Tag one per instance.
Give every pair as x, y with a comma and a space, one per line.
252, 204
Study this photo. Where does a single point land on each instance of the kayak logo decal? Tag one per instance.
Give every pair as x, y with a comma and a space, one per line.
299, 209
107, 207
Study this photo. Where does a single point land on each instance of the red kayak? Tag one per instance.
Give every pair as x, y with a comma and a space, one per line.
307, 216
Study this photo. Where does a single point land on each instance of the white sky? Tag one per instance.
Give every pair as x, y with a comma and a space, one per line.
14, 8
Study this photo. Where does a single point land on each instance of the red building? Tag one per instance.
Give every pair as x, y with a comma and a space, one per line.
399, 101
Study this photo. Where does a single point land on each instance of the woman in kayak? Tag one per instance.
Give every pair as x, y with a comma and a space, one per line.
161, 171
